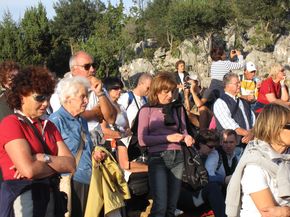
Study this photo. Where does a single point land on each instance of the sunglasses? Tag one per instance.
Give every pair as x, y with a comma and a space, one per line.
287, 126
88, 66
41, 98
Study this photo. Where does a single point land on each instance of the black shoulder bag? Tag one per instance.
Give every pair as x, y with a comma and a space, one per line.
194, 176
60, 197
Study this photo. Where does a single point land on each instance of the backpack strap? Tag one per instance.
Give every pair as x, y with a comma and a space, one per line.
130, 99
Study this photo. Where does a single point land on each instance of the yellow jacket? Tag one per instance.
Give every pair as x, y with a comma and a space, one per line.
108, 187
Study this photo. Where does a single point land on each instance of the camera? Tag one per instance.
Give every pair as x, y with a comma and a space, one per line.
187, 85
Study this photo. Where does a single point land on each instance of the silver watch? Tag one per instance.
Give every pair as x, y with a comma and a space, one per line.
47, 158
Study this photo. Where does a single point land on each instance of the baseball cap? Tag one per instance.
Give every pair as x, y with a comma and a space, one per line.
193, 76
250, 67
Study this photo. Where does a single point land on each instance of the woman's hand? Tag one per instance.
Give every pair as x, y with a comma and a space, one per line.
188, 140
17, 174
175, 137
276, 211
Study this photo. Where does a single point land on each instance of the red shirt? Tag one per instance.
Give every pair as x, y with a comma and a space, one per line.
269, 86
12, 128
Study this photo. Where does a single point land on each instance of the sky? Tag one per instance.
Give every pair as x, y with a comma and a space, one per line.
18, 7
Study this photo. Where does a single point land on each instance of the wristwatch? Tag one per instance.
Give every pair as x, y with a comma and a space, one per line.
47, 158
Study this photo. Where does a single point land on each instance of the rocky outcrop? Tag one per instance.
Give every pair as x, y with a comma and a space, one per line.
195, 53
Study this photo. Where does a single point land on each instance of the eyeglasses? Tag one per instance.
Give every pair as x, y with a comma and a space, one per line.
88, 66
41, 98
287, 126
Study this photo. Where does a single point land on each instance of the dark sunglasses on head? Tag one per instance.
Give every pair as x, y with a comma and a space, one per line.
89, 65
41, 98
287, 126
116, 88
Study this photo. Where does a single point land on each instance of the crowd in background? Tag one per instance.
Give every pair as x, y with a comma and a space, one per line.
119, 153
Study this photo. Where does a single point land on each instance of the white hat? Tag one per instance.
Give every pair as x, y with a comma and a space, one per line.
250, 67
193, 76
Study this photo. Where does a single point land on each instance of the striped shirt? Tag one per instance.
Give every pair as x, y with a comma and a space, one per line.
221, 67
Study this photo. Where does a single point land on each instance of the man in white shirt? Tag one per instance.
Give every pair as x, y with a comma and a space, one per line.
231, 112
99, 106
132, 105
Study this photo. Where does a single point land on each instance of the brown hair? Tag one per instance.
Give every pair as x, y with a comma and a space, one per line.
178, 63
270, 122
162, 81
31, 79
217, 53
7, 67
228, 132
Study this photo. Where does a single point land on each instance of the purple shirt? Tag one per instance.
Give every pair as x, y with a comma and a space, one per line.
152, 131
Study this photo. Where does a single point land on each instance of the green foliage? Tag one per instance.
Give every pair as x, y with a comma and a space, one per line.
262, 39
9, 38
196, 17
106, 43
74, 20
36, 37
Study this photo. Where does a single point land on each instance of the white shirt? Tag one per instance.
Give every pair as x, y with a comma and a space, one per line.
132, 110
224, 116
255, 179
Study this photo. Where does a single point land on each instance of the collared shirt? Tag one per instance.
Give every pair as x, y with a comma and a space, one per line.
11, 128
224, 116
70, 128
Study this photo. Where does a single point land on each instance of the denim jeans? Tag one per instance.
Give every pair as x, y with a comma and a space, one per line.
165, 173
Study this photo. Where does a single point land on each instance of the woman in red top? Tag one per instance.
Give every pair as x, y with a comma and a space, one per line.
273, 89
23, 158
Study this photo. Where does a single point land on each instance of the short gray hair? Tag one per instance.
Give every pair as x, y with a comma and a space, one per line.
228, 77
69, 87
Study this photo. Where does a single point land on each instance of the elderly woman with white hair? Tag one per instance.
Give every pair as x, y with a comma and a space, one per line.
73, 96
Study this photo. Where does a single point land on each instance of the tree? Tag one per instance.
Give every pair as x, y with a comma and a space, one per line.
9, 38
74, 20
35, 36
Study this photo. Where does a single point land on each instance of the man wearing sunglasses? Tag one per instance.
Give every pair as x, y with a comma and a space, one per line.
99, 106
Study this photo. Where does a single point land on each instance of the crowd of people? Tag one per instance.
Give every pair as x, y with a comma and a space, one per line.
107, 151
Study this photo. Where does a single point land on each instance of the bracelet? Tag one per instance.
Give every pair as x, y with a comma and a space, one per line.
283, 85
101, 94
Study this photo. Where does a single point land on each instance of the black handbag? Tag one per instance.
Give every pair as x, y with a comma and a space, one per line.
194, 176
139, 183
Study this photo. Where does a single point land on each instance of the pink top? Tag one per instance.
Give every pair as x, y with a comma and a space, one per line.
152, 131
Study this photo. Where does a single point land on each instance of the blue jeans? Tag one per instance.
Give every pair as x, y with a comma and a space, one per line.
165, 173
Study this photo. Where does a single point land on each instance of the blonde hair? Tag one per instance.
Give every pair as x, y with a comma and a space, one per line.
275, 69
162, 81
270, 122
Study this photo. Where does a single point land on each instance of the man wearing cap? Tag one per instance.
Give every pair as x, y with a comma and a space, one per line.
197, 107
248, 85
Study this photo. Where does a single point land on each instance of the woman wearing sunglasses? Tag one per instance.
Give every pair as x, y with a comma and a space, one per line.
120, 128
260, 185
31, 148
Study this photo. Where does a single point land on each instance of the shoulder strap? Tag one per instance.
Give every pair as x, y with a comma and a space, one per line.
36, 132
130, 99
81, 147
